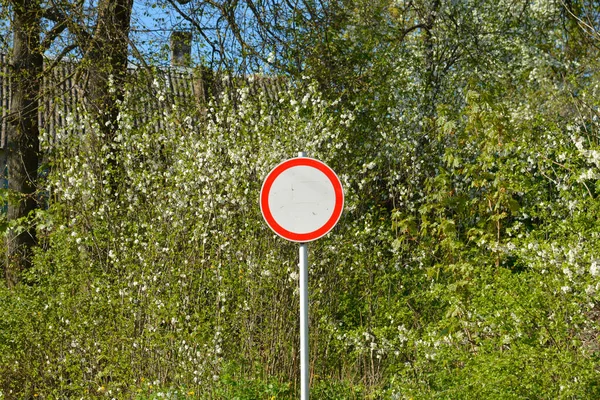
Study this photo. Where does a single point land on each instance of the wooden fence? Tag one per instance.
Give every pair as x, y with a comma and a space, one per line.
60, 97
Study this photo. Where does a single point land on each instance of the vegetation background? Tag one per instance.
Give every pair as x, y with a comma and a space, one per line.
465, 265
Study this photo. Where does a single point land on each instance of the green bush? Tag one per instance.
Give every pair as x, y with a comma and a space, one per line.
464, 266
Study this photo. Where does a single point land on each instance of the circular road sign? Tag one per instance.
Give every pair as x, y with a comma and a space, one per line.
301, 199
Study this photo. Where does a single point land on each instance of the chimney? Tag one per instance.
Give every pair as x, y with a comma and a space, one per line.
181, 48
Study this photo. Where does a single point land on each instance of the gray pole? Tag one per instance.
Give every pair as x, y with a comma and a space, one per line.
304, 361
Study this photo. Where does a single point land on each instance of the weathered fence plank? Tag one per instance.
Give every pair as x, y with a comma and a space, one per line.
60, 97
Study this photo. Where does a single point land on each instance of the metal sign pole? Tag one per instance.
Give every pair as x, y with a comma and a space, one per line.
304, 361
301, 200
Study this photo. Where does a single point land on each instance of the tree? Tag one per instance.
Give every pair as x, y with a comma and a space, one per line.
26, 67
101, 34
26, 71
103, 71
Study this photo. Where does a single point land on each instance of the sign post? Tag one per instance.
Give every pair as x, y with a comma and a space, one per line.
304, 360
304, 350
301, 200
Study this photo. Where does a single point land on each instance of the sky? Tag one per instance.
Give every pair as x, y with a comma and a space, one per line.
152, 23
151, 27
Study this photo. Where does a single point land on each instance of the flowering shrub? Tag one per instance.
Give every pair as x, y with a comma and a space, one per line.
465, 264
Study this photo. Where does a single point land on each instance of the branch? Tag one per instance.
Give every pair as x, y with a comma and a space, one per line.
4, 42
59, 17
585, 26
52, 34
53, 14
237, 33
406, 31
263, 24
568, 169
66, 50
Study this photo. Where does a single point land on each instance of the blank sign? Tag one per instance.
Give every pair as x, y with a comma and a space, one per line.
302, 199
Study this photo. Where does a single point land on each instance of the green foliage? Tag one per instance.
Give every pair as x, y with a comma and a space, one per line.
464, 266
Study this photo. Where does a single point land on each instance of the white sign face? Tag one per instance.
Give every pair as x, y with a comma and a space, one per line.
302, 199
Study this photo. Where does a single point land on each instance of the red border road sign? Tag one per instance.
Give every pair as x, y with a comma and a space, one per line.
290, 234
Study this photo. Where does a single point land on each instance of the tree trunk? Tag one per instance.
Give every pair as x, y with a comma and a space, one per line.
22, 139
104, 74
105, 63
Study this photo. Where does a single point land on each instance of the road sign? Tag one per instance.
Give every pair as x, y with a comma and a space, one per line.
301, 199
